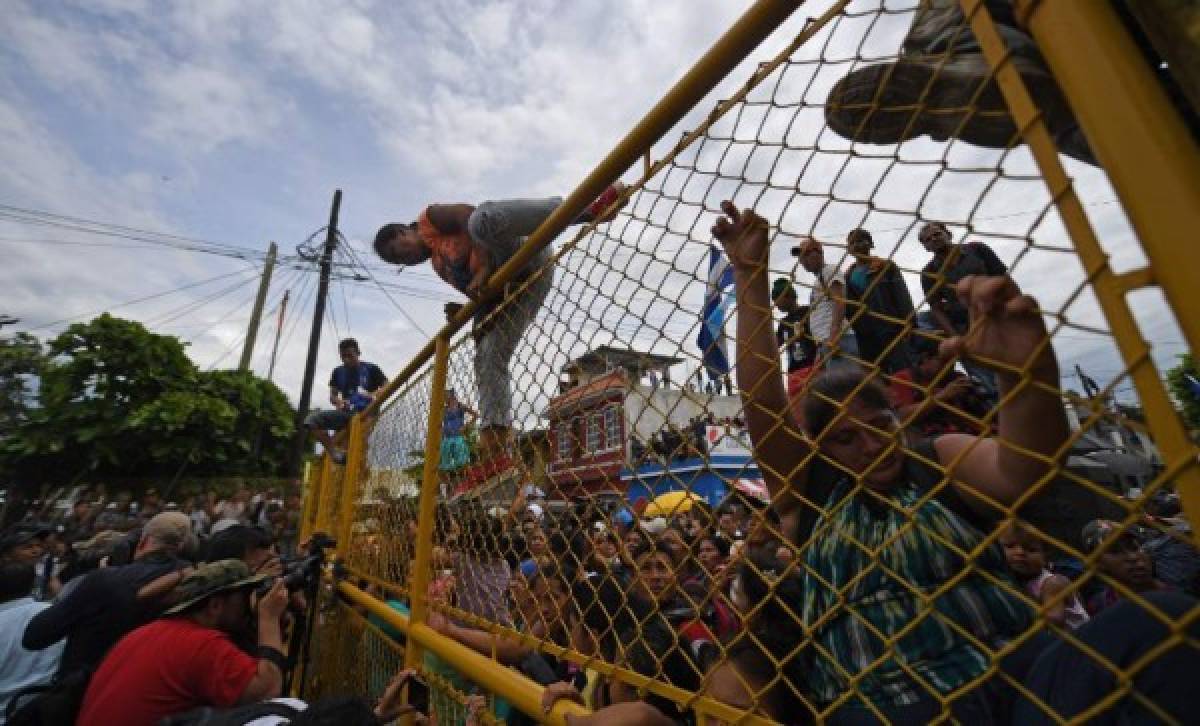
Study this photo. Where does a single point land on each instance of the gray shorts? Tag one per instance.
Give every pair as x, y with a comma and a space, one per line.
328, 420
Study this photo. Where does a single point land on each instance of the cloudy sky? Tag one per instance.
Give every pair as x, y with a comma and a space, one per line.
219, 126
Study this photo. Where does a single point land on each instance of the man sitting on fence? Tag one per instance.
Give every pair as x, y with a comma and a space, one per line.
351, 389
465, 244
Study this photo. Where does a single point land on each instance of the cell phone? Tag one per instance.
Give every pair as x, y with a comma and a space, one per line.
417, 694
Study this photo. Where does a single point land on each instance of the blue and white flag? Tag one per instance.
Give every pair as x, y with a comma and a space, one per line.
714, 345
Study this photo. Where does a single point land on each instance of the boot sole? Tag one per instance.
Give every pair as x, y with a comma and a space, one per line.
894, 102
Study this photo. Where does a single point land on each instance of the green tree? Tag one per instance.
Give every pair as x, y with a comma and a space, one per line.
231, 423
21, 362
1184, 381
117, 399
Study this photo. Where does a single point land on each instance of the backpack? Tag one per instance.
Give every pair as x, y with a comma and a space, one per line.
236, 716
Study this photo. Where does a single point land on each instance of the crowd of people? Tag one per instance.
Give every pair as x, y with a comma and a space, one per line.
130, 611
889, 580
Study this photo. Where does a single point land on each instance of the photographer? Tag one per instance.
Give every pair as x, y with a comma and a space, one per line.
104, 606
187, 659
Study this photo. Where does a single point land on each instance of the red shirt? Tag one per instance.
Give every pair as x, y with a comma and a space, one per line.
902, 390
165, 668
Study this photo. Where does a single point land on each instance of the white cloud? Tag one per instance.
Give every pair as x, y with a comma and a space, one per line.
219, 117
200, 108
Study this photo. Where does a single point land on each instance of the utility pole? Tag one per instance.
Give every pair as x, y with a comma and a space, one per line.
314, 338
259, 301
278, 332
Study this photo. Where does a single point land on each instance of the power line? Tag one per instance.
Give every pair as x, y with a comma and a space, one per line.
135, 301
356, 260
240, 340
297, 311
194, 305
88, 226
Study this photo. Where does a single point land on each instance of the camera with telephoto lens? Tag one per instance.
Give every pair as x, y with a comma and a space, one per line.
303, 572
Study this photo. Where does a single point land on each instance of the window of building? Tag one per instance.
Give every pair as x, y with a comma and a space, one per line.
594, 427
612, 427
564, 441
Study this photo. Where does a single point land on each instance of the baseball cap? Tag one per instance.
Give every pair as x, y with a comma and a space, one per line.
19, 534
780, 288
1099, 531
807, 245
212, 578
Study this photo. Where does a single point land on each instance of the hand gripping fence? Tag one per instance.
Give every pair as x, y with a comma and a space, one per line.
972, 501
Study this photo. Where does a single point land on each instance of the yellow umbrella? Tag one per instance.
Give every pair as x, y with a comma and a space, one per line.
671, 504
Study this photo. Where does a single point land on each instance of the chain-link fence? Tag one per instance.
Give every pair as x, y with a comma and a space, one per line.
842, 411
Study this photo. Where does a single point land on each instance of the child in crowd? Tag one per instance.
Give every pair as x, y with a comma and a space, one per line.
1026, 556
455, 420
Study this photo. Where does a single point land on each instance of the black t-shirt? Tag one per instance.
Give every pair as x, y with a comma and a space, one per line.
941, 275
793, 336
99, 611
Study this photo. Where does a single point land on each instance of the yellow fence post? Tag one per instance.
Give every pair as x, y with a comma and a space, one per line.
311, 500
419, 580
1179, 453
324, 518
1135, 132
352, 476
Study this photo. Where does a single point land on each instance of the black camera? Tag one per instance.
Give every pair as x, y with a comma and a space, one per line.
303, 572
980, 399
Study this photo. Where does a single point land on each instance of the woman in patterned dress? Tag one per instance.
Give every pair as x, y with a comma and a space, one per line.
907, 600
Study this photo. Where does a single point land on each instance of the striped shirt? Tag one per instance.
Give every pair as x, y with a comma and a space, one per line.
870, 577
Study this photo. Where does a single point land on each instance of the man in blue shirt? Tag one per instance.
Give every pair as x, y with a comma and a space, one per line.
352, 387
21, 668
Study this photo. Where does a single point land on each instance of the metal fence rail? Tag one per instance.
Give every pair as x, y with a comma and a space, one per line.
652, 523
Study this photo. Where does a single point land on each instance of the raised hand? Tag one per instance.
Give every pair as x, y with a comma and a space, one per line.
1005, 326
745, 237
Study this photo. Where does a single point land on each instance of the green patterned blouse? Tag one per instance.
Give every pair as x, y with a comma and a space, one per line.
876, 594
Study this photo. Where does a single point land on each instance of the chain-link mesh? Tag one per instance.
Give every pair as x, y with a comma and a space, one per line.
665, 469
358, 653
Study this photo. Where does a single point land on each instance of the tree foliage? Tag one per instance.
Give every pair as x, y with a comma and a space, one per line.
1184, 381
116, 399
21, 361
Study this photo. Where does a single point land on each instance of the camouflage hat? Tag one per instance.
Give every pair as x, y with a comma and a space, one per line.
100, 544
210, 579
1099, 531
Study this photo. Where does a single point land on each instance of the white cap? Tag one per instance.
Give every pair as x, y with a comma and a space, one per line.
655, 526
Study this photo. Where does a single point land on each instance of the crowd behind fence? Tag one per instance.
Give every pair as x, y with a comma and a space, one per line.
792, 434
